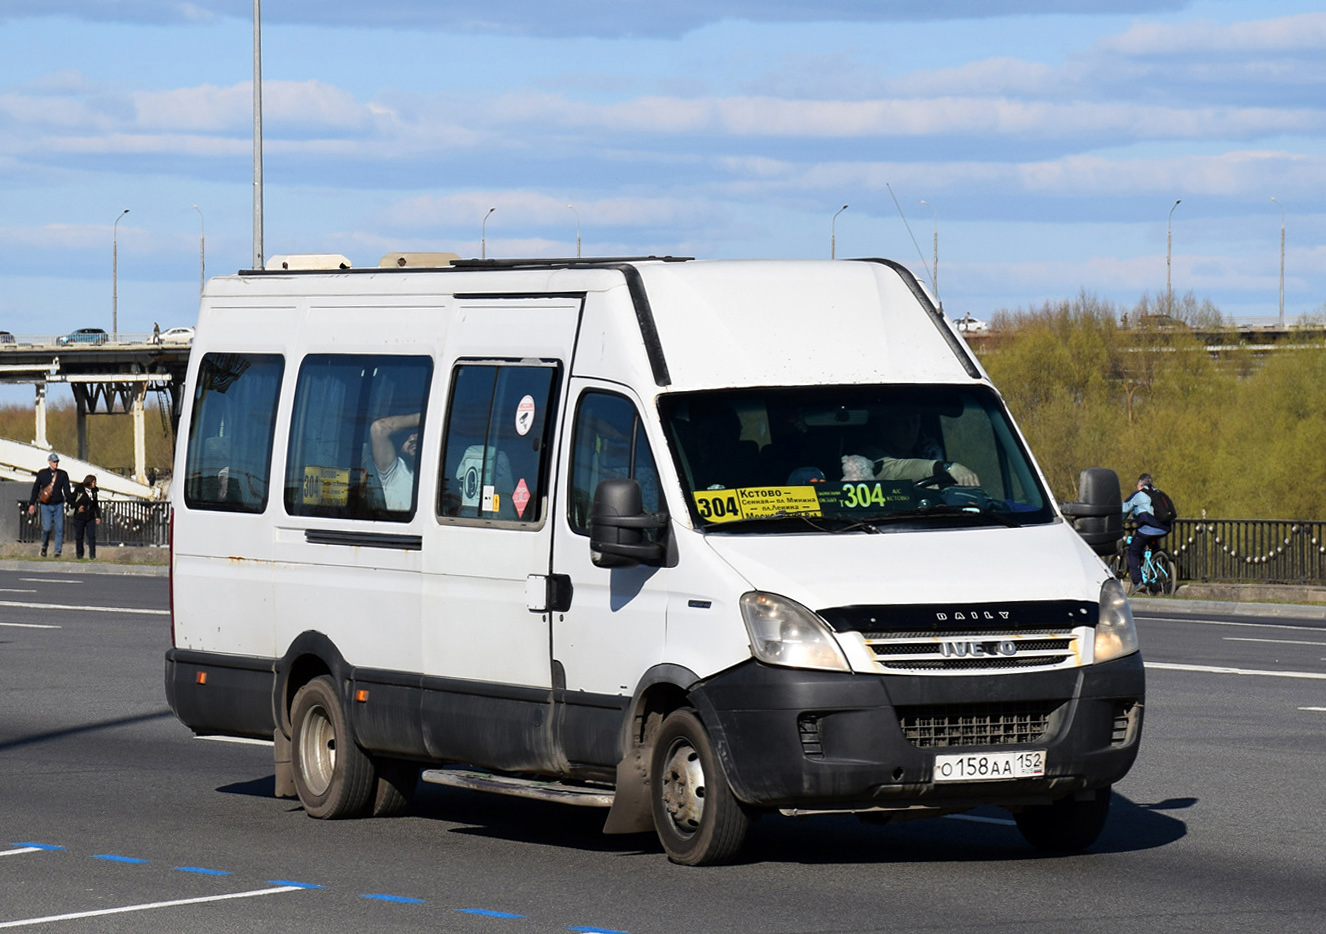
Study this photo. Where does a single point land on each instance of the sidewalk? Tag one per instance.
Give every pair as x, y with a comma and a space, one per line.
69, 565
1195, 598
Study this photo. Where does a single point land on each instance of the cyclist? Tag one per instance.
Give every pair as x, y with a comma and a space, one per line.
1149, 529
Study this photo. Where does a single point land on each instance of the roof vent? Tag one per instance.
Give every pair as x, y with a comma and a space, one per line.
308, 261
393, 260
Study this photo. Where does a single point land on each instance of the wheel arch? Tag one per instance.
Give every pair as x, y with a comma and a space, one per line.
310, 655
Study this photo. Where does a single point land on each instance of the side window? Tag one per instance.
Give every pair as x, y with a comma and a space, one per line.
609, 443
229, 460
495, 456
354, 436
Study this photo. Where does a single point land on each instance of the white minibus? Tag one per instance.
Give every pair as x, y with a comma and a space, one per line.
690, 541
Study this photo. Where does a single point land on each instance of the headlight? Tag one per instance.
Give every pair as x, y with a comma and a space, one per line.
783, 632
1116, 635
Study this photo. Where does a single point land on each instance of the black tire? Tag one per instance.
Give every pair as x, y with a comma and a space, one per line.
334, 778
697, 818
1164, 565
394, 789
1066, 826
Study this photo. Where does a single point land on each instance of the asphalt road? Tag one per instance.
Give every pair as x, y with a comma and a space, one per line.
108, 805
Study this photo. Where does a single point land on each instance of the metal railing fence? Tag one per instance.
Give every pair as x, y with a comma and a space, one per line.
1262, 551
122, 523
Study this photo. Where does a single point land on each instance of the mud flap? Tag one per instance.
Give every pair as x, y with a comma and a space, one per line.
632, 811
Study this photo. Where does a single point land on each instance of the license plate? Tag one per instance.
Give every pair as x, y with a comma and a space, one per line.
990, 766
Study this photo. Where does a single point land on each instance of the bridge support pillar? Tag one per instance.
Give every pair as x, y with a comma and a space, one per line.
140, 435
39, 415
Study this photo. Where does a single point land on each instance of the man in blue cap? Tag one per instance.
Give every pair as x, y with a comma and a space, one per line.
50, 490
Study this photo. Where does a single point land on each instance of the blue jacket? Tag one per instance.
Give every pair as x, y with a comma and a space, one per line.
1139, 507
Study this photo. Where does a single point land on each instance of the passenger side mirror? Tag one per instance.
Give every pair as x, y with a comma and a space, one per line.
617, 524
1098, 513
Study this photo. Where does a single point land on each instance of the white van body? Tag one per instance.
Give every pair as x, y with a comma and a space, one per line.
797, 641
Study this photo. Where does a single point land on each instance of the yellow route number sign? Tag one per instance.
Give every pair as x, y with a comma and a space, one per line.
756, 502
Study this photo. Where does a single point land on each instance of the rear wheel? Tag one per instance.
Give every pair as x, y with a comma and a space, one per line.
394, 788
698, 819
1066, 826
333, 777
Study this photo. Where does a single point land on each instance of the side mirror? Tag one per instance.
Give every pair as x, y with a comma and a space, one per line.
617, 524
1098, 513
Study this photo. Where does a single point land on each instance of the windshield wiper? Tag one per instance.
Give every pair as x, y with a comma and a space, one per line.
944, 510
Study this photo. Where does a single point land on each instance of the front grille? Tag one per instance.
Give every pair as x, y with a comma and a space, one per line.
967, 649
1005, 724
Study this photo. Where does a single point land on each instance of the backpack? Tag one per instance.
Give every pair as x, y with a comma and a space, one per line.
1162, 507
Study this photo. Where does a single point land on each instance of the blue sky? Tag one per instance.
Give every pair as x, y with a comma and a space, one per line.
1048, 138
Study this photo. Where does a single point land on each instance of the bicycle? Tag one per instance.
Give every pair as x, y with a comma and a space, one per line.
1158, 574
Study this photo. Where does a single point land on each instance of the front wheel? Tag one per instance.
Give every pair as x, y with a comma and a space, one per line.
334, 778
1066, 826
1163, 566
698, 819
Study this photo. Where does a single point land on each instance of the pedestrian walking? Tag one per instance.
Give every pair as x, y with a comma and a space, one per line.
87, 516
50, 491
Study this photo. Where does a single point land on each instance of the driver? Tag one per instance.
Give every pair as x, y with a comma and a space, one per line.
898, 437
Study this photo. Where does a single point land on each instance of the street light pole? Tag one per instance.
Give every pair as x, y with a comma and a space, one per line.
115, 277
257, 136
577, 214
483, 235
202, 250
1281, 323
934, 278
833, 233
1169, 243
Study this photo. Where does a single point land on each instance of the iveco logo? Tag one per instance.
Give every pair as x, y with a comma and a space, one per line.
969, 615
978, 649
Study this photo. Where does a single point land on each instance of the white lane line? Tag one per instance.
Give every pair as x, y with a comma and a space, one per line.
50, 580
976, 818
22, 849
1314, 709
1221, 622
1271, 641
149, 906
84, 609
245, 740
1214, 670
18, 590
30, 626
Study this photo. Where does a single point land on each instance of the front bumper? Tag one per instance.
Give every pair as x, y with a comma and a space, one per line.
807, 740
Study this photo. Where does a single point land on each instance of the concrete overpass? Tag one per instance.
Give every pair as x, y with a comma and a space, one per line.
113, 378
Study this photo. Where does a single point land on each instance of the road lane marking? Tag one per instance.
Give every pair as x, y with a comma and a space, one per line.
23, 849
1216, 670
1221, 622
1271, 641
29, 626
243, 740
49, 580
398, 899
148, 906
976, 818
83, 609
1312, 709
18, 590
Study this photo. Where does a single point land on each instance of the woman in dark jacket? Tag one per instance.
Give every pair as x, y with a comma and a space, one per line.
87, 516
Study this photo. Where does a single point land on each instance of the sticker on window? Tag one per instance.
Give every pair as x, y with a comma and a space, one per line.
525, 416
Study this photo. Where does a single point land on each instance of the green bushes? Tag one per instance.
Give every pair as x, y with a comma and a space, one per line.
1239, 437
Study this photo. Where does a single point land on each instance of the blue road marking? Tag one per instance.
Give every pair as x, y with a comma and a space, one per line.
201, 871
39, 846
597, 930
398, 899
488, 914
120, 859
296, 885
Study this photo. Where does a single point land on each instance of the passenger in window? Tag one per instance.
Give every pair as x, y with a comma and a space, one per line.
393, 460
901, 454
720, 458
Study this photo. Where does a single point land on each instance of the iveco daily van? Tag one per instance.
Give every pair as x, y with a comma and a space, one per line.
689, 541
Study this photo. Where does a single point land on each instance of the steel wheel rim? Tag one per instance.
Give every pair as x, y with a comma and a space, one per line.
317, 749
683, 788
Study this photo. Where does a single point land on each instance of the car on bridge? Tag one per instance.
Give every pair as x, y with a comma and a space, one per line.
84, 336
180, 335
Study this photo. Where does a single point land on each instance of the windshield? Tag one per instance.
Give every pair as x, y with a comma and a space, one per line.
850, 457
